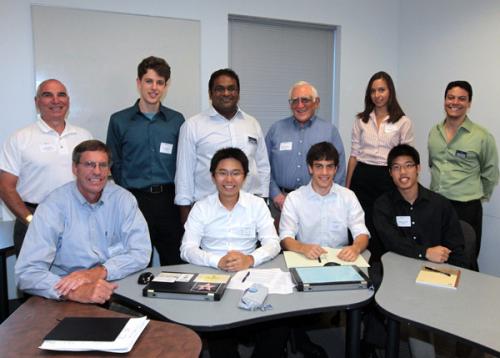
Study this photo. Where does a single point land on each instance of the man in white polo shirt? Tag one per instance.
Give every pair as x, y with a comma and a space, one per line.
37, 159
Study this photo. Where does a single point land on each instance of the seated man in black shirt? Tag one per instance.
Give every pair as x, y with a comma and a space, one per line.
414, 221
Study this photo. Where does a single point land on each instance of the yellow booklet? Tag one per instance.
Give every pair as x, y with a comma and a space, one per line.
440, 277
294, 259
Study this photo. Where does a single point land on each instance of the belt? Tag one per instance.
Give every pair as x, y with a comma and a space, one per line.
156, 189
286, 190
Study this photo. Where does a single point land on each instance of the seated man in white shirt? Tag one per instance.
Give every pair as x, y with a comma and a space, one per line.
222, 231
318, 214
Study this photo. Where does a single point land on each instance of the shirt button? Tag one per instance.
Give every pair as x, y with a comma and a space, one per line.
419, 255
411, 207
300, 141
413, 222
298, 166
414, 237
298, 179
299, 153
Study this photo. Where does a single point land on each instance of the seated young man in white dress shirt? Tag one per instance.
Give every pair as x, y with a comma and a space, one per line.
316, 215
222, 231
319, 213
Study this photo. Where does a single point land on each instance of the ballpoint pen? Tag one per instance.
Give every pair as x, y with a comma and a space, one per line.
244, 278
436, 270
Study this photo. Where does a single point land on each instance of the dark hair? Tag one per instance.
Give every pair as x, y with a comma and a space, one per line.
462, 84
400, 150
159, 65
92, 145
229, 153
223, 72
393, 107
322, 151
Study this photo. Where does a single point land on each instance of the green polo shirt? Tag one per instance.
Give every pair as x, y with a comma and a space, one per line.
466, 168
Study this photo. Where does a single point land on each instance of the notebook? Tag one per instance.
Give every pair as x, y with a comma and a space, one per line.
187, 286
439, 277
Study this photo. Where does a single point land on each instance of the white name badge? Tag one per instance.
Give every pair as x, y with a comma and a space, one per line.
403, 221
47, 147
286, 145
166, 148
390, 127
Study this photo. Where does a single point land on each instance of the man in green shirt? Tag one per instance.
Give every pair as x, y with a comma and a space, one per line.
463, 158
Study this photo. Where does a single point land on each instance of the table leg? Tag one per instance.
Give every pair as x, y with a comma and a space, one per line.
4, 295
392, 349
353, 333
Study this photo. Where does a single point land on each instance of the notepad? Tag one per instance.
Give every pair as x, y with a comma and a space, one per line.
438, 276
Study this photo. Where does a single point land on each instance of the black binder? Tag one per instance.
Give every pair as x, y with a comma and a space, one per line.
104, 329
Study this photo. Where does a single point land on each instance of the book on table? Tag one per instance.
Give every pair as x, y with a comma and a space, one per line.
108, 334
295, 259
187, 286
438, 276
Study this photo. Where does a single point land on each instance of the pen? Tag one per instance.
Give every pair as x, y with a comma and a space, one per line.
438, 271
319, 259
244, 278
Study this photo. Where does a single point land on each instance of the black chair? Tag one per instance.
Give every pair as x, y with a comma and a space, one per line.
470, 245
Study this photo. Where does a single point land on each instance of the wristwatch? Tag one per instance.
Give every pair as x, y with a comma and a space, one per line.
29, 218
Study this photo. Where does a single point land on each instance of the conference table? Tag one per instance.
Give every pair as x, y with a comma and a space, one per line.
470, 313
22, 333
205, 316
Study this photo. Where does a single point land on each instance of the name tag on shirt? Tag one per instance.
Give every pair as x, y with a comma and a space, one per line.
166, 148
286, 145
247, 231
403, 221
47, 147
461, 154
390, 127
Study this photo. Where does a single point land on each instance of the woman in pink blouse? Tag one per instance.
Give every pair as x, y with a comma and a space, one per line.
376, 130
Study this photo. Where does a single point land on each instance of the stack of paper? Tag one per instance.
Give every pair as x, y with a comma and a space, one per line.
275, 280
67, 335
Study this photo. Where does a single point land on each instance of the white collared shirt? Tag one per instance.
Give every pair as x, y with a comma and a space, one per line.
211, 231
204, 134
324, 220
41, 158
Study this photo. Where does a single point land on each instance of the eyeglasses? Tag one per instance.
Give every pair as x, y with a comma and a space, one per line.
305, 100
89, 164
227, 173
222, 89
398, 167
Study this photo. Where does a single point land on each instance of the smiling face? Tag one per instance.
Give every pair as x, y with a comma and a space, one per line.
228, 178
379, 93
303, 104
90, 180
456, 103
322, 174
52, 101
404, 172
225, 95
151, 89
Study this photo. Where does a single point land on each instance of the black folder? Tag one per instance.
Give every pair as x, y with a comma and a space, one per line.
327, 278
104, 329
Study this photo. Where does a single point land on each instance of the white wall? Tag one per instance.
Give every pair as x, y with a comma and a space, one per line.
441, 41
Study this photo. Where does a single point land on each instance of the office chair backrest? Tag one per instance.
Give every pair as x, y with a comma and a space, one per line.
470, 243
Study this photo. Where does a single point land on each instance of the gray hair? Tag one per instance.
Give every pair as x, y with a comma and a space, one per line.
303, 83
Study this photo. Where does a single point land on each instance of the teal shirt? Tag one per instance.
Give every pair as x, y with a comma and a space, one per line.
144, 150
466, 168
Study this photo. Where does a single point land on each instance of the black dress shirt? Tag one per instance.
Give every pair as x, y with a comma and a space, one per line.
410, 229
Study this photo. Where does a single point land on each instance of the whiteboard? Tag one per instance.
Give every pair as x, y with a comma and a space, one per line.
96, 53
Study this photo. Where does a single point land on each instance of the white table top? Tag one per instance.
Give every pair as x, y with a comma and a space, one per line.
207, 316
470, 312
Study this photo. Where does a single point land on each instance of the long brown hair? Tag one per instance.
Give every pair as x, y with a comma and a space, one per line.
393, 107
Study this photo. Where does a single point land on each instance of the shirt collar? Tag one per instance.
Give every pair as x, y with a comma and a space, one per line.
423, 194
44, 127
298, 125
311, 193
374, 118
467, 124
79, 197
212, 113
242, 201
162, 110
